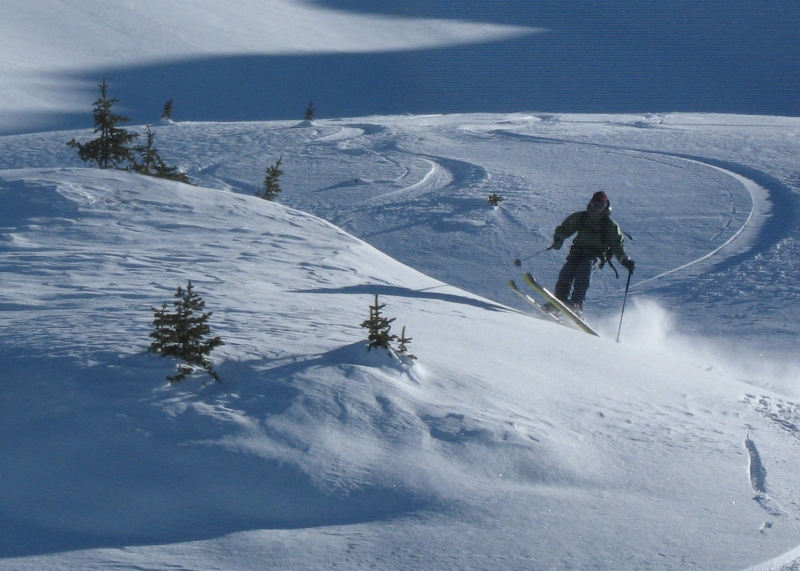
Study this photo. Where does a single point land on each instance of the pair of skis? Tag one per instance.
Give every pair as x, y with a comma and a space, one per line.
563, 310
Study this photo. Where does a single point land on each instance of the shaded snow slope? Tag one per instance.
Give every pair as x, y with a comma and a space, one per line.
265, 59
54, 53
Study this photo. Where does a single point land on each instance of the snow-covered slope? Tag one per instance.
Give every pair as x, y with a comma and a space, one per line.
711, 220
510, 441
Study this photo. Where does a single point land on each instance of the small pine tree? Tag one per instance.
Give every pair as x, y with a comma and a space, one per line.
271, 187
167, 114
309, 116
148, 154
151, 163
182, 333
379, 327
110, 149
403, 342
495, 199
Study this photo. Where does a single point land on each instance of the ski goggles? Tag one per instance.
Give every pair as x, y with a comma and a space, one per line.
598, 205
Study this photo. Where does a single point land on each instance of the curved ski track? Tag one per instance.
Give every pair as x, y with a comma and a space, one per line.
764, 190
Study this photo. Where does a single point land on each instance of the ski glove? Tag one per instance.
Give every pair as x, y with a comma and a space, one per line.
558, 241
628, 264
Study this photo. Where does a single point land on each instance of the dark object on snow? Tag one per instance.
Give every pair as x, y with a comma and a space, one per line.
182, 333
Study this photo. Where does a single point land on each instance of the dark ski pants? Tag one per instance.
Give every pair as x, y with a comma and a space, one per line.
575, 277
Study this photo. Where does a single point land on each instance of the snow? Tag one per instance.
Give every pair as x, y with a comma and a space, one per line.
511, 442
46, 46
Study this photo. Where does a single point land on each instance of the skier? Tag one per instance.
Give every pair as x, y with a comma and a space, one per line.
599, 238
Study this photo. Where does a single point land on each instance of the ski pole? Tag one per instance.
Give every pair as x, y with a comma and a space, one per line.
624, 299
518, 262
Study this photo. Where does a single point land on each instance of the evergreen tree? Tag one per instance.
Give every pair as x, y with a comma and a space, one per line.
148, 154
271, 187
110, 149
403, 342
309, 116
167, 114
151, 163
379, 327
182, 333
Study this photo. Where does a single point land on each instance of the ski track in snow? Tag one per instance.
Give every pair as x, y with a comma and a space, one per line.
346, 133
435, 169
445, 173
758, 195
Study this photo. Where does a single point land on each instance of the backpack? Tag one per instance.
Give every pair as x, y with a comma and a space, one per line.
605, 226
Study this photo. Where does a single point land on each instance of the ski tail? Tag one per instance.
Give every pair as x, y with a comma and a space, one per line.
571, 315
533, 302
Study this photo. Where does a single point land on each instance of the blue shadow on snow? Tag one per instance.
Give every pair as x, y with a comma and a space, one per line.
373, 289
95, 450
737, 56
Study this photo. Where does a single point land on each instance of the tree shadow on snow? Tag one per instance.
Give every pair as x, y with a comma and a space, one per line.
387, 290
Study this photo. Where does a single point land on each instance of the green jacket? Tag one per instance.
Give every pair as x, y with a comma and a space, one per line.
597, 233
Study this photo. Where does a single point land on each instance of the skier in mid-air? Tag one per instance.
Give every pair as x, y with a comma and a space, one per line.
598, 239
